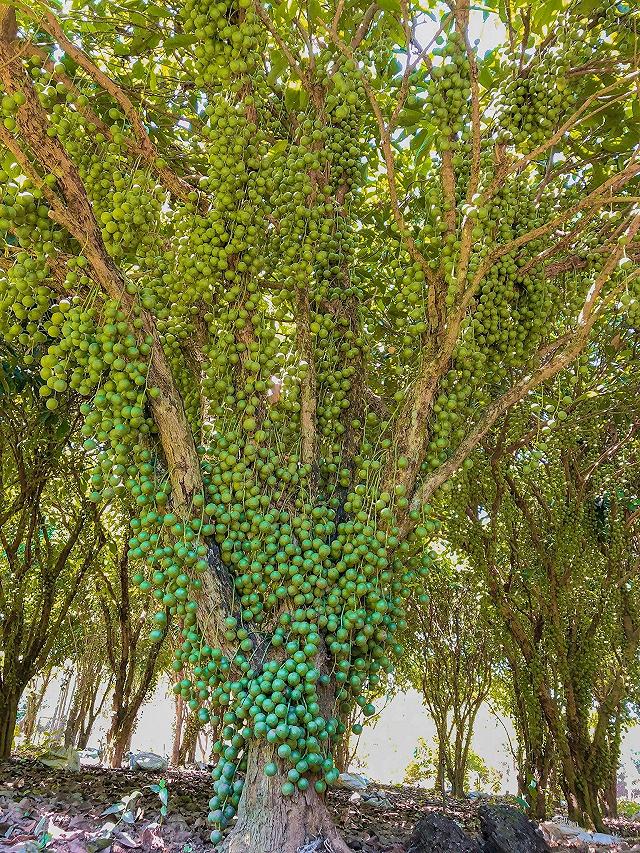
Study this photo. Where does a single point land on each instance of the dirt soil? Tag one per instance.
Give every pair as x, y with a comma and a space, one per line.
62, 811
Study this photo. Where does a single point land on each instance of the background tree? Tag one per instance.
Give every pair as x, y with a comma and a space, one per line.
424, 765
298, 280
533, 752
50, 535
554, 531
448, 657
92, 683
35, 697
134, 660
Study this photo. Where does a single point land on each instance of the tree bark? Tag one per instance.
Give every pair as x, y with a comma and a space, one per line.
34, 703
269, 822
178, 731
119, 739
8, 718
187, 750
441, 768
610, 797
83, 712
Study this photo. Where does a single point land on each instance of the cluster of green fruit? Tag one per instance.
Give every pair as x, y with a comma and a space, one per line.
449, 91
317, 599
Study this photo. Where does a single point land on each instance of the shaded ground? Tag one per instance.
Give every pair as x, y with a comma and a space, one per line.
72, 806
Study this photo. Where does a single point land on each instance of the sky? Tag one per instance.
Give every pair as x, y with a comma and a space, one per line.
490, 33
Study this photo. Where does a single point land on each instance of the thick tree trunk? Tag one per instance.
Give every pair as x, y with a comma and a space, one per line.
457, 782
582, 802
459, 762
269, 822
8, 719
610, 797
533, 781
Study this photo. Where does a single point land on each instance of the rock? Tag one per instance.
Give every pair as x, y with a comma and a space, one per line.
352, 781
506, 830
148, 761
59, 757
604, 839
90, 756
557, 829
376, 800
436, 833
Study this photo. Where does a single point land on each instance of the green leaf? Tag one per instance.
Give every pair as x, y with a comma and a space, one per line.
155, 11
116, 808
292, 98
409, 117
97, 844
315, 11
390, 5
138, 70
182, 40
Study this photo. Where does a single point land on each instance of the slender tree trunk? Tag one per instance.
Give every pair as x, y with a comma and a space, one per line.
60, 712
34, 703
269, 822
74, 717
177, 731
187, 751
8, 718
342, 752
84, 712
84, 735
119, 739
441, 769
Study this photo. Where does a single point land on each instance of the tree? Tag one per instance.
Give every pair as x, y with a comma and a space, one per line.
91, 688
35, 698
424, 765
448, 657
50, 535
554, 532
297, 284
187, 728
533, 754
134, 660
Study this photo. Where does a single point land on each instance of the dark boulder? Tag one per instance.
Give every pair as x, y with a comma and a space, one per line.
436, 833
506, 830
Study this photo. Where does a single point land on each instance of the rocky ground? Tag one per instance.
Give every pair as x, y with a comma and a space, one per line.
64, 811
